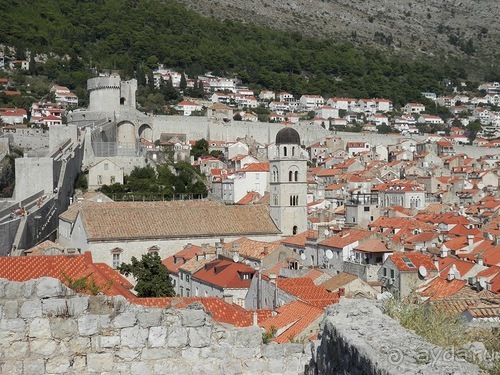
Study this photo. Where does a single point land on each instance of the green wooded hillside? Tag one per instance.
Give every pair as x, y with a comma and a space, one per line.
133, 35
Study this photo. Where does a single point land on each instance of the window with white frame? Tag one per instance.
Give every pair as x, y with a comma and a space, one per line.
116, 256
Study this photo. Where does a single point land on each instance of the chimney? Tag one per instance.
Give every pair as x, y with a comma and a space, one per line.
255, 322
341, 292
218, 249
470, 241
451, 274
444, 251
480, 259
497, 240
266, 250
235, 246
221, 240
436, 262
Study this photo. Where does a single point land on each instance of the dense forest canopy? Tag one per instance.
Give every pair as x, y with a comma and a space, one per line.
133, 36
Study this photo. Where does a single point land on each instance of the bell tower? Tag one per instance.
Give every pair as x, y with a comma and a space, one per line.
288, 183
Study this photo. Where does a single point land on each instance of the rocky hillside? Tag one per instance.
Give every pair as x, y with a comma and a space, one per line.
443, 29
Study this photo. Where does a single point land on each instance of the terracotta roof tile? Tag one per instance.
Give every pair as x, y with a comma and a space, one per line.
373, 246
220, 310
225, 274
440, 287
343, 239
304, 289
338, 281
131, 220
291, 321
252, 248
65, 266
416, 259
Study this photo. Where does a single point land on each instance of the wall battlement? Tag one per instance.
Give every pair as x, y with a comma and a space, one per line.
103, 83
45, 328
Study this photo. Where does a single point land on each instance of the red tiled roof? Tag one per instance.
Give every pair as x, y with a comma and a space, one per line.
291, 321
249, 248
255, 167
250, 198
329, 172
373, 246
220, 310
343, 239
304, 289
299, 239
440, 287
225, 274
418, 259
445, 264
178, 259
63, 267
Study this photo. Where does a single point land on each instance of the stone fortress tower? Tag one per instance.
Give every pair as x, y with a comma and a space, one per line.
288, 183
109, 94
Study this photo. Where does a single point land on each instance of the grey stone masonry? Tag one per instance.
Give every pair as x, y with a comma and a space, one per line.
46, 328
358, 338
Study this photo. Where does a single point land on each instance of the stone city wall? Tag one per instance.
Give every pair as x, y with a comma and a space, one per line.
358, 338
8, 230
45, 328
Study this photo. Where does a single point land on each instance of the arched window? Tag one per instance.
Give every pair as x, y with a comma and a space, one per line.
154, 250
290, 176
293, 151
296, 176
295, 229
284, 151
291, 200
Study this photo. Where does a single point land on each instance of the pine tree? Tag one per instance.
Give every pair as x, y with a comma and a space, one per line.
153, 278
183, 83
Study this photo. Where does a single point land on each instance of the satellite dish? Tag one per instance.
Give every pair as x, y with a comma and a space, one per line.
236, 258
422, 271
302, 256
482, 283
329, 254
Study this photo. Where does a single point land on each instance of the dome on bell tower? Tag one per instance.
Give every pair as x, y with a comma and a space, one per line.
287, 136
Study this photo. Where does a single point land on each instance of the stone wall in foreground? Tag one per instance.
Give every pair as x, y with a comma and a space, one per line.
45, 328
358, 339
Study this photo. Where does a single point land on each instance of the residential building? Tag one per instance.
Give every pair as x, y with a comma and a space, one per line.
414, 108
252, 177
311, 102
13, 115
401, 273
222, 278
187, 107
